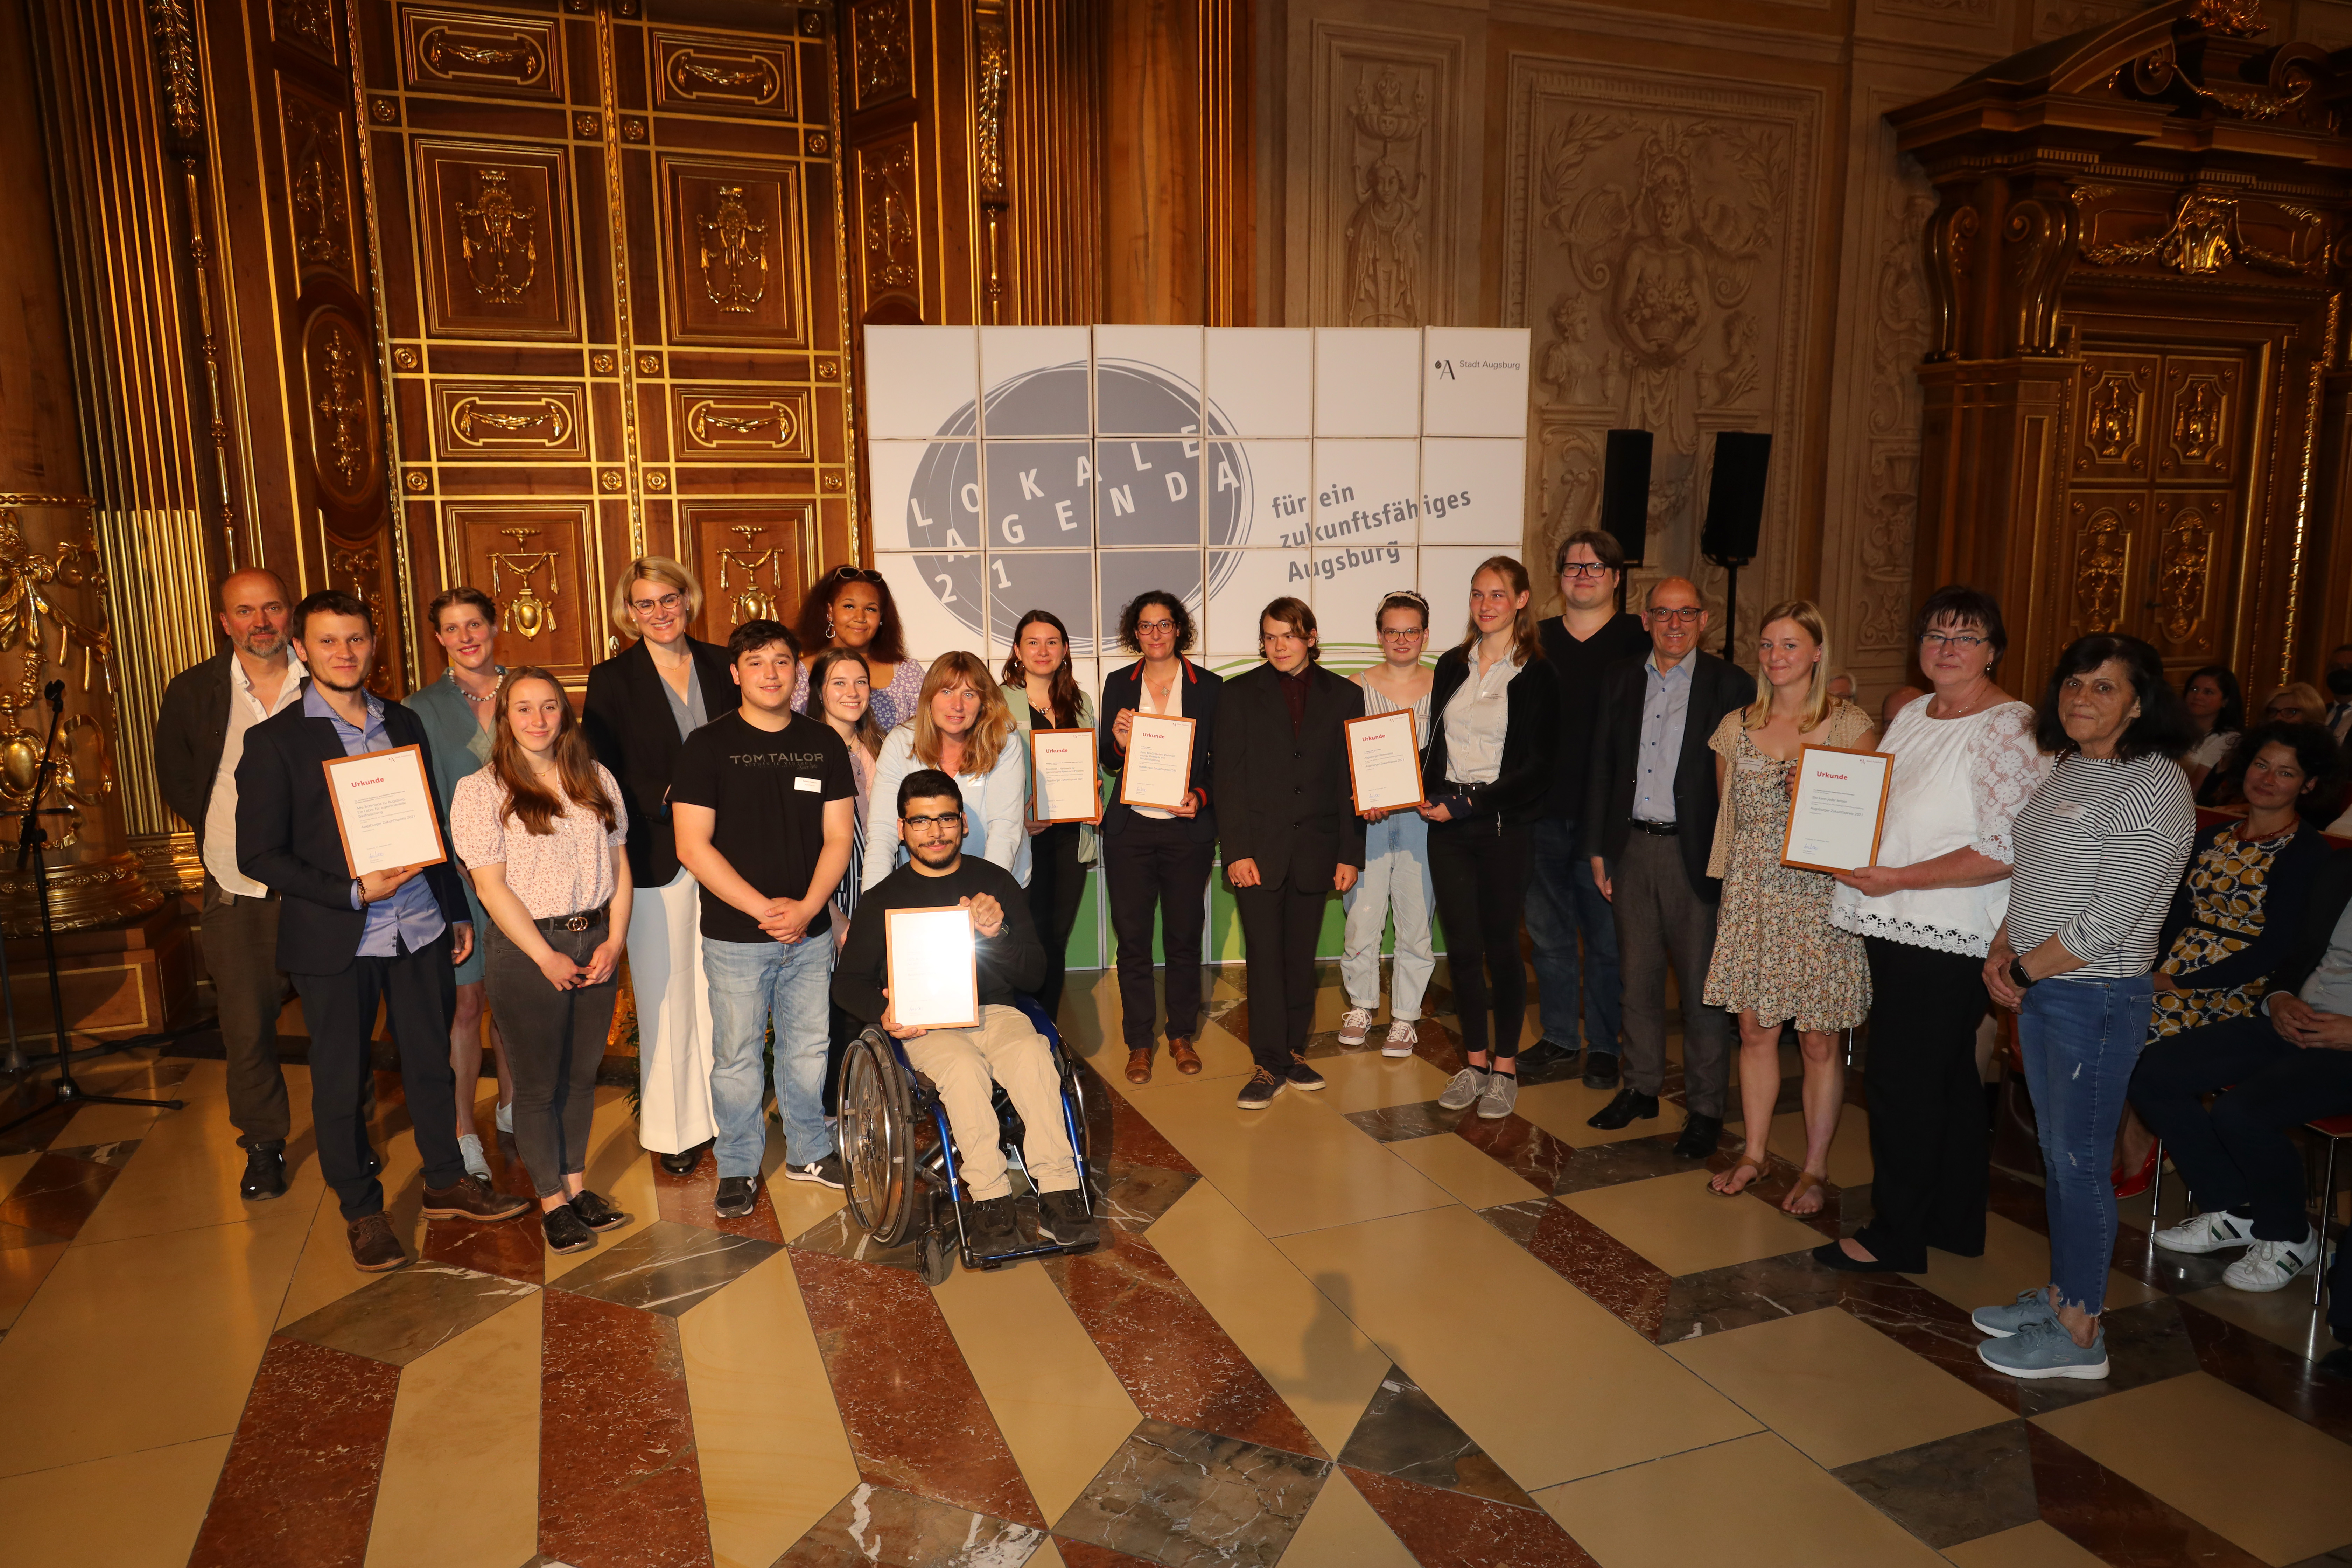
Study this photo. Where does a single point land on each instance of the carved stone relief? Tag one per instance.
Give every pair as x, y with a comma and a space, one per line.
1385, 234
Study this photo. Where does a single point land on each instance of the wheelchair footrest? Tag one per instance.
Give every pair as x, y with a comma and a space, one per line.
1046, 1249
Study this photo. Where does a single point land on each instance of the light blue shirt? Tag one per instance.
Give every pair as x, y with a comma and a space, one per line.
412, 912
1665, 704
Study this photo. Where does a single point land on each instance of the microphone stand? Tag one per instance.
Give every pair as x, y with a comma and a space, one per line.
30, 838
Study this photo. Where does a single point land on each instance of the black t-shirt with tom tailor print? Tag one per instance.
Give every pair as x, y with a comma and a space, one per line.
768, 790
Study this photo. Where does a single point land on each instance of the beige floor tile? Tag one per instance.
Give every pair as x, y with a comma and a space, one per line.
774, 1457
1766, 1506
1342, 1531
1063, 1410
1047, 1555
1849, 1160
2034, 1546
1679, 1225
2241, 1467
185, 1172
325, 1273
460, 1481
13, 1166
1836, 1387
142, 1343
2015, 1258
1365, 1081
78, 1514
1470, 1173
23, 1270
1320, 1364
2284, 1317
1561, 1109
1292, 1166
617, 1167
1442, 1291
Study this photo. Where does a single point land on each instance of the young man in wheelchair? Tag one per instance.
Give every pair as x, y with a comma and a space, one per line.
1005, 1046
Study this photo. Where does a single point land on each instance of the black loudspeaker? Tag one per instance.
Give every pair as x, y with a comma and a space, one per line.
1625, 491
1735, 496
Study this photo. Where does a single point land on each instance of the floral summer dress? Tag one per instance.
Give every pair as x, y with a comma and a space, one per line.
1776, 952
2229, 887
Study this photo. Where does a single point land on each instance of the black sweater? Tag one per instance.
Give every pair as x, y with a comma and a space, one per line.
2286, 892
1011, 960
1530, 742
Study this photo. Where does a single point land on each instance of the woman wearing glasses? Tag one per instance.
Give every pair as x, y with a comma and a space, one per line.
851, 607
642, 704
1396, 852
1043, 694
1965, 762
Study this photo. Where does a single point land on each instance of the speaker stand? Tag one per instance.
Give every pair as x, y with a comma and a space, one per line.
1731, 565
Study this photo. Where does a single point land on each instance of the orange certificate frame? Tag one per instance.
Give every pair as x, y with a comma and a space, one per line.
1838, 810
385, 810
1069, 751
1375, 747
1162, 743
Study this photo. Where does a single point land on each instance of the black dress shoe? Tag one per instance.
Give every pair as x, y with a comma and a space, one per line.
565, 1230
1700, 1135
265, 1176
1621, 1110
1831, 1255
1600, 1070
683, 1162
595, 1213
1545, 1053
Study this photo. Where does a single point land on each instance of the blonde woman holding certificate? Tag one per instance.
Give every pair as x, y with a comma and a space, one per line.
1396, 852
1777, 957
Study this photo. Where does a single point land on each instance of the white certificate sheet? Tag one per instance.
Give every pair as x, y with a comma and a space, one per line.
1840, 803
384, 806
1062, 775
1159, 769
1385, 760
934, 969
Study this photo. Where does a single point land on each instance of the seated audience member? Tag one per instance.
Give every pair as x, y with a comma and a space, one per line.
2285, 1064
2338, 682
2300, 703
1005, 1046
2217, 707
1840, 687
962, 727
1896, 700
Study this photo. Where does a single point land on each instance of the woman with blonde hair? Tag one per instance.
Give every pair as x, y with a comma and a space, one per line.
642, 704
1777, 957
961, 727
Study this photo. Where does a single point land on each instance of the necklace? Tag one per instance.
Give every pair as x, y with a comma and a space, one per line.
492, 696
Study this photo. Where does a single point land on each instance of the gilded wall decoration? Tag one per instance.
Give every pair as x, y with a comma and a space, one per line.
42, 634
358, 570
2114, 415
730, 253
2183, 560
2207, 233
2200, 439
728, 424
890, 247
991, 77
450, 50
509, 421
176, 44
757, 559
318, 186
1386, 236
514, 584
2058, 18
881, 58
497, 240
534, 560
733, 255
1901, 325
309, 23
741, 76
749, 599
344, 416
2102, 565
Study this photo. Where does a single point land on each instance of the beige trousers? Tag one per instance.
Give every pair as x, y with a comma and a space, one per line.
1008, 1048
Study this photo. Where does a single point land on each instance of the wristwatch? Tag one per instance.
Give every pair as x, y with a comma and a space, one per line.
2023, 981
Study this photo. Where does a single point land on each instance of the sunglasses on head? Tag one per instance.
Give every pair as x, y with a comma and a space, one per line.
854, 574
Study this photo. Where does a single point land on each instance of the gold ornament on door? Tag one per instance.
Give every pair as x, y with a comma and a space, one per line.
755, 602
526, 612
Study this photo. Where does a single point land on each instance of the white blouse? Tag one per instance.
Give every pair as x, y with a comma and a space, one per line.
568, 871
1477, 718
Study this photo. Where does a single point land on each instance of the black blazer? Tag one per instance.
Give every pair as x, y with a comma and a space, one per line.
1123, 689
629, 726
1288, 803
1530, 742
190, 728
287, 839
1716, 689
2330, 891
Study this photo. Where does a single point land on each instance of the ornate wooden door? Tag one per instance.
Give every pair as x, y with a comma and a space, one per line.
610, 267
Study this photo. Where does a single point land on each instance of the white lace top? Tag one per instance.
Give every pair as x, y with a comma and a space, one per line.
1958, 784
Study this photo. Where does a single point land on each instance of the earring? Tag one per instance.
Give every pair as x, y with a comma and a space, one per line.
828, 628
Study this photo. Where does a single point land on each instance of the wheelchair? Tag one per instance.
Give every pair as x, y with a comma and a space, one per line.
905, 1181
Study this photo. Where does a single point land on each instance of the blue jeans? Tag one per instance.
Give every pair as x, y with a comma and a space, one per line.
2080, 1039
1563, 901
1395, 878
751, 983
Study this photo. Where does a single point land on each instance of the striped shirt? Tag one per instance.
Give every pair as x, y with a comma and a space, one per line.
2100, 848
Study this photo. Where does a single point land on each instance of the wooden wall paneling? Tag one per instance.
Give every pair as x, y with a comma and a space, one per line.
1054, 162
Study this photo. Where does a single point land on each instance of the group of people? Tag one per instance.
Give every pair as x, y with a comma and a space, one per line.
722, 815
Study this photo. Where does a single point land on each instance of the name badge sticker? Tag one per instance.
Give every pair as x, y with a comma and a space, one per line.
814, 786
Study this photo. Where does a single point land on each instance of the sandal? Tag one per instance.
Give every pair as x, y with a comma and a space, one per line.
1138, 1065
1806, 1183
1181, 1052
1758, 1162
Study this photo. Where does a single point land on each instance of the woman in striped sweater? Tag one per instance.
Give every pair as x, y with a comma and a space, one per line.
2100, 848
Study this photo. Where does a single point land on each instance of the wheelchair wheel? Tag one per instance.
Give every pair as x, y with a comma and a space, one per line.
877, 1142
939, 1255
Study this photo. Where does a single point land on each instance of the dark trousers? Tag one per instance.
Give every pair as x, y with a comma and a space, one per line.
240, 942
1661, 916
1154, 867
1564, 904
1279, 928
1927, 1143
1480, 873
554, 1042
419, 991
1056, 884
2238, 1154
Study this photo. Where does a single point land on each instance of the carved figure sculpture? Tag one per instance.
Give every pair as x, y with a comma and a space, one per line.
1384, 251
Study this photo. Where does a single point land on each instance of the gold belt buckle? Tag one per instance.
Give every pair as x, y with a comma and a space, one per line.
576, 923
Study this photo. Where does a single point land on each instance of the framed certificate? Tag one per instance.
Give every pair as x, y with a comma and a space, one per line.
1385, 760
383, 809
934, 970
1838, 809
1062, 778
1159, 769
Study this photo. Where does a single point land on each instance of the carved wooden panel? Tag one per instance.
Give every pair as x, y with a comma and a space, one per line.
2187, 587
696, 74
308, 25
357, 567
456, 52
736, 423
533, 560
734, 252
2114, 416
2104, 551
346, 444
881, 53
2200, 431
319, 184
507, 421
497, 241
753, 561
887, 239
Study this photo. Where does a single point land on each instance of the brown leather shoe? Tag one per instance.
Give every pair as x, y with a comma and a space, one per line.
1138, 1065
1181, 1052
470, 1199
375, 1249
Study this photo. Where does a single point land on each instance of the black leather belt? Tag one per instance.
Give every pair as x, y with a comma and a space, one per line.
1661, 829
580, 921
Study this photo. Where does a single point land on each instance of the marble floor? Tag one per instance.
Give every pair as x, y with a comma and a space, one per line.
1350, 1330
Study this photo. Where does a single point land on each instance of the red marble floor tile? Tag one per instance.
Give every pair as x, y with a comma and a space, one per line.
1774, 1185
1168, 1352
1926, 1325
298, 1487
1631, 1286
1131, 1138
1437, 1045
1087, 1554
2116, 1522
511, 1249
2272, 1374
1455, 1529
693, 1199
57, 1195
916, 1418
1525, 1148
619, 1482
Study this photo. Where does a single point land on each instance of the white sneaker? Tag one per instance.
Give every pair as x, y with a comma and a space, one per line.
2207, 1232
1463, 1092
469, 1146
2268, 1265
506, 1120
1502, 1094
1401, 1039
1355, 1024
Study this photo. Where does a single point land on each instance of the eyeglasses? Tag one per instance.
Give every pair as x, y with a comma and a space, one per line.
1155, 626
1405, 631
1678, 618
669, 601
1583, 569
1966, 642
951, 820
